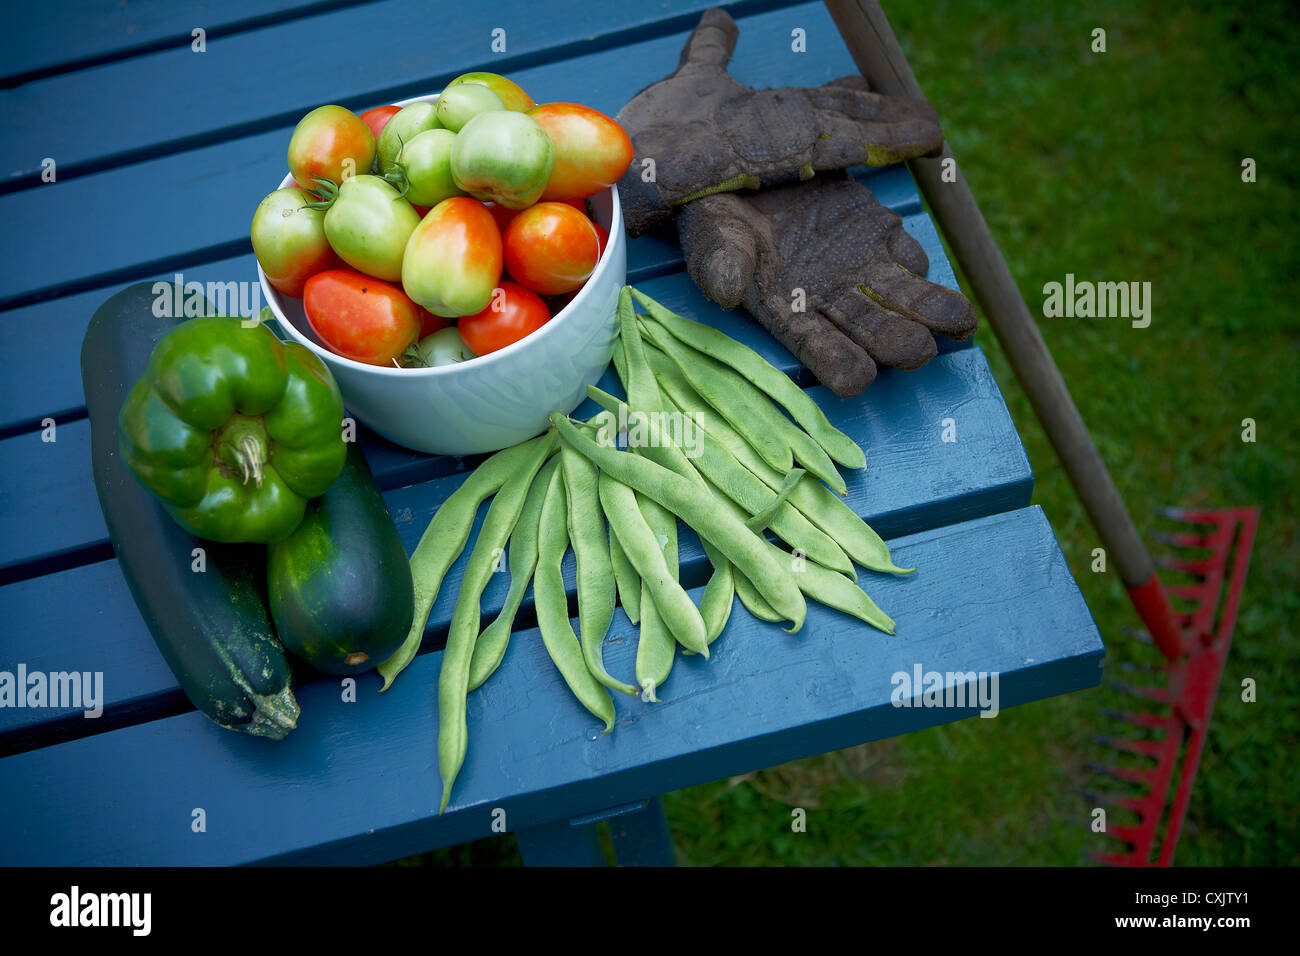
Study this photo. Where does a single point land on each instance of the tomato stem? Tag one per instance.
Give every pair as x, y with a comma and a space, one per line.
326, 192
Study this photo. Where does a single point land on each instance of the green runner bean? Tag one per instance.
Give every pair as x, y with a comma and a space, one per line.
764, 375
715, 603
696, 507
753, 413
814, 500
444, 539
453, 677
595, 569
553, 607
645, 549
491, 645
656, 647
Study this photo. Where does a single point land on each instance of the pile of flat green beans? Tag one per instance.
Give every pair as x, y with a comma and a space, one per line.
761, 465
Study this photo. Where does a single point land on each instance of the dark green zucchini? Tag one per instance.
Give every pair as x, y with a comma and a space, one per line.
340, 585
211, 626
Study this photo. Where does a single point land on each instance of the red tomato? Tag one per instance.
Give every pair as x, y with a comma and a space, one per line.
377, 118
513, 313
551, 248
501, 214
430, 323
331, 143
360, 317
591, 150
603, 235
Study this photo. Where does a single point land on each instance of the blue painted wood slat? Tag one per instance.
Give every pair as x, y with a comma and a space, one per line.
358, 781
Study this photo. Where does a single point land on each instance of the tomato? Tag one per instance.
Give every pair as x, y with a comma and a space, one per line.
591, 150
426, 160
332, 143
404, 127
377, 118
453, 258
551, 248
502, 156
289, 240
602, 234
513, 313
511, 95
360, 317
430, 323
457, 105
368, 225
501, 214
444, 347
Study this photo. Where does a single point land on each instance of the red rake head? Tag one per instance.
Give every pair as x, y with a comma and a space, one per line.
1195, 641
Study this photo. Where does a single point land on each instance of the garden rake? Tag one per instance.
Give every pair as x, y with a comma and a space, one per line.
1194, 640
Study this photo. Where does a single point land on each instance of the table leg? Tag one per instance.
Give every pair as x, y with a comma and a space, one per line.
643, 839
560, 844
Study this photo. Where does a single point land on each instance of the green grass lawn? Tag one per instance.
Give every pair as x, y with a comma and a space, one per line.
1122, 166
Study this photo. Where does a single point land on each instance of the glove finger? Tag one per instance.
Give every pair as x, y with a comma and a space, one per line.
711, 43
854, 81
891, 339
906, 251
938, 308
854, 126
837, 361
719, 239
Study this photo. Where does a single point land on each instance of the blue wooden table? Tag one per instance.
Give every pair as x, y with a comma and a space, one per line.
128, 153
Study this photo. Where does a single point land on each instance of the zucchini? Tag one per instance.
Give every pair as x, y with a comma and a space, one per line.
211, 626
340, 585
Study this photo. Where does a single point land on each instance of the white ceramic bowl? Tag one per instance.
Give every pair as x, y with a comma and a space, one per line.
495, 400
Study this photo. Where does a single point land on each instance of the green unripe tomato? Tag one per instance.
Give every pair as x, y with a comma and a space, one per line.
408, 123
427, 161
368, 225
458, 105
510, 92
504, 157
444, 347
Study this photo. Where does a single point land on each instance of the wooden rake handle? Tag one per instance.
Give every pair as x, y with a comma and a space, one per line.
875, 49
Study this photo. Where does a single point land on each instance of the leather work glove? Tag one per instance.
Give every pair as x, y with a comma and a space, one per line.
707, 133
863, 300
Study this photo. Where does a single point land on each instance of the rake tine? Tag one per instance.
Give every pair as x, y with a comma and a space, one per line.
1144, 748
1199, 567
1140, 690
1135, 667
1149, 721
1101, 798
1127, 774
1181, 539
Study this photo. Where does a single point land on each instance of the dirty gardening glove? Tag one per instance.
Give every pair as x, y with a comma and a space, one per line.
829, 246
706, 133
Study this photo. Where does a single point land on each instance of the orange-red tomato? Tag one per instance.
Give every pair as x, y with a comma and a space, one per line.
551, 248
603, 235
360, 317
513, 313
591, 150
330, 142
452, 261
377, 118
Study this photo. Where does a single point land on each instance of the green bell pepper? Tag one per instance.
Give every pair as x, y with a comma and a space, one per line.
233, 430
